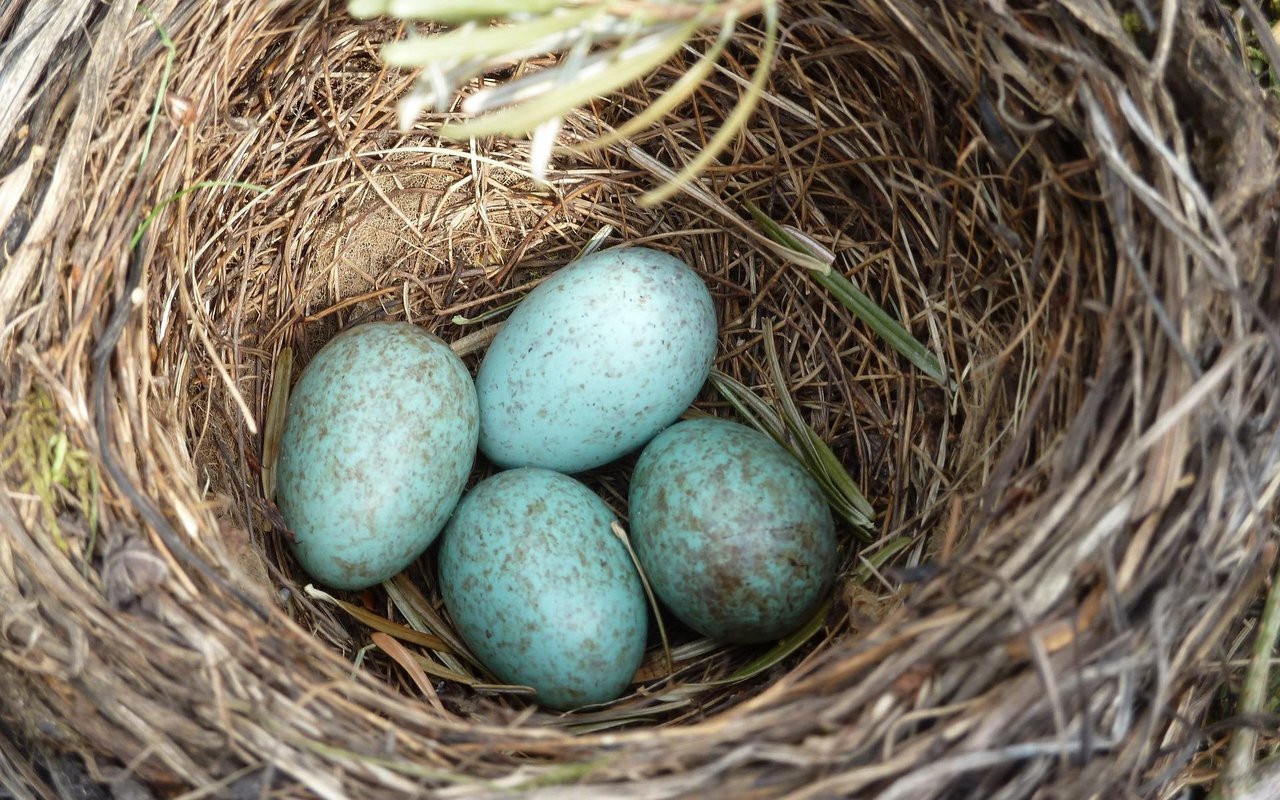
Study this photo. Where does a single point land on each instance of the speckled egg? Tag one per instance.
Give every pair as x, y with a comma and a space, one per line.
541, 590
595, 361
379, 438
735, 537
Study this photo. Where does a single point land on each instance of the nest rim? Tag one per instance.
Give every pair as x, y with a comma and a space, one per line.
1003, 584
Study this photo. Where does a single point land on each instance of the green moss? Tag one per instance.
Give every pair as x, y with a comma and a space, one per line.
38, 452
1132, 23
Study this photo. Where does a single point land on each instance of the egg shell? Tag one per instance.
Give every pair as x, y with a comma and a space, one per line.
541, 589
734, 536
597, 359
379, 438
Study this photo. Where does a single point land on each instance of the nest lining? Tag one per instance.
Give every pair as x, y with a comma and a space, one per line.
1073, 529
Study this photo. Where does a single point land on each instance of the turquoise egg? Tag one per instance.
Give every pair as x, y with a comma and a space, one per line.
734, 536
379, 438
596, 360
541, 589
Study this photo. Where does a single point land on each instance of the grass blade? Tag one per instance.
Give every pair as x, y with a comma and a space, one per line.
852, 298
838, 479
653, 602
889, 329
381, 624
453, 11
423, 618
759, 414
273, 426
880, 557
839, 488
178, 195
432, 668
785, 647
508, 43
1236, 776
485, 316
555, 100
169, 55
833, 476
409, 664
732, 123
680, 91
601, 45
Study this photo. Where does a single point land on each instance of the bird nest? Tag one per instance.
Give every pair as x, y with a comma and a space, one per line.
1074, 206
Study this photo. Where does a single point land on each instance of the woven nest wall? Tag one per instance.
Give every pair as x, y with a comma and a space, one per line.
1078, 214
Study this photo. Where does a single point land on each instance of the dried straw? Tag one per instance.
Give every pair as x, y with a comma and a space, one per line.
1079, 216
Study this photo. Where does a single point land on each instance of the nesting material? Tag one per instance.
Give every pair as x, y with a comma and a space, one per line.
1073, 207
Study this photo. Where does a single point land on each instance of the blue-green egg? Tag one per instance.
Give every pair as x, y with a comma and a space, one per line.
596, 360
541, 589
735, 537
379, 438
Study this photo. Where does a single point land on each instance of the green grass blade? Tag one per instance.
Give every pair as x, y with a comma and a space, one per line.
852, 298
755, 411
841, 481
453, 11
785, 647
889, 329
560, 99
881, 557
155, 212
842, 494
834, 478
680, 91
596, 242
501, 42
169, 55
775, 231
733, 123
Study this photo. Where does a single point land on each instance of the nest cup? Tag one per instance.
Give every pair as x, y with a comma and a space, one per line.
1074, 208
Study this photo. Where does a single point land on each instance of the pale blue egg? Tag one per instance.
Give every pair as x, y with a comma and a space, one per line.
734, 536
379, 439
596, 360
541, 589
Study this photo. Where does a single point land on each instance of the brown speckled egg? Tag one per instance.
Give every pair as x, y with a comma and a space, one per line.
735, 537
379, 439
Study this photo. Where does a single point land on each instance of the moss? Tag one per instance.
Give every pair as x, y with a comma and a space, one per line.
1132, 22
38, 451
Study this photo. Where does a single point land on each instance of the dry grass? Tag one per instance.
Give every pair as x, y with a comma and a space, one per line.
1082, 223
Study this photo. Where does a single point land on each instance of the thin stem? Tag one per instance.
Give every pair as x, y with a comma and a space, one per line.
1244, 742
170, 54
653, 602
